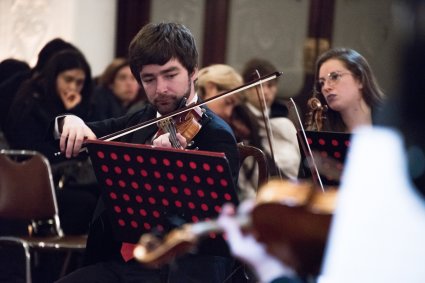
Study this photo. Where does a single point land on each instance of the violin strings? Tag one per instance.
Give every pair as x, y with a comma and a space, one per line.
168, 126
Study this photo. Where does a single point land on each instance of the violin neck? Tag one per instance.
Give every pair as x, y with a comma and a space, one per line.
168, 126
211, 226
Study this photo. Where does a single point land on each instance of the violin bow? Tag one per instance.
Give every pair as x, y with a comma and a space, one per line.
145, 124
148, 123
306, 148
266, 119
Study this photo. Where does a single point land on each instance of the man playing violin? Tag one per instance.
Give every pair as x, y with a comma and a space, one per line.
163, 58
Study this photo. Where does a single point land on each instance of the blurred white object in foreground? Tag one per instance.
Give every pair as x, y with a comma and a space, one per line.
378, 230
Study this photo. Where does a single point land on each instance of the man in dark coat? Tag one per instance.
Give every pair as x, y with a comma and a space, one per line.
163, 58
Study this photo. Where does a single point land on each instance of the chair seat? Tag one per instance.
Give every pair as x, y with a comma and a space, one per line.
74, 243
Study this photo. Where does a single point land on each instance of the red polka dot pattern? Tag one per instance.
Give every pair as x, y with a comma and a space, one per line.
147, 188
330, 146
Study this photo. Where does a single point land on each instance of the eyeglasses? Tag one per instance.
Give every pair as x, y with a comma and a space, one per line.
332, 79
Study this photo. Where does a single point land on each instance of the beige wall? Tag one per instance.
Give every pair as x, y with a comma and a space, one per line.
273, 29
26, 25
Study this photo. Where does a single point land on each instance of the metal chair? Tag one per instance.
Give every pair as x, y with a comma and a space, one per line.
27, 194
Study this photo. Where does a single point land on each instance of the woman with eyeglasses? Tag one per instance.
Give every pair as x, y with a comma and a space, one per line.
346, 90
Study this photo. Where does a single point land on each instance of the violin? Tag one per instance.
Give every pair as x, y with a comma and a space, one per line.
145, 124
293, 222
129, 130
291, 218
187, 124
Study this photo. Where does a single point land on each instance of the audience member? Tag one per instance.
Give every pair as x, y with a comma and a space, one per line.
48, 50
250, 127
9, 70
10, 67
117, 92
276, 107
63, 86
10, 87
214, 80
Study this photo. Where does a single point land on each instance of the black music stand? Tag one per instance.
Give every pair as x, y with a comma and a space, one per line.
153, 189
329, 151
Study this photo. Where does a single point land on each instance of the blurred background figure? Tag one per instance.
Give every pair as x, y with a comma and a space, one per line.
117, 92
214, 80
276, 107
10, 69
14, 73
51, 48
250, 127
63, 85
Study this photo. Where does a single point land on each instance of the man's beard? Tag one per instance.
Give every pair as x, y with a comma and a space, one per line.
175, 103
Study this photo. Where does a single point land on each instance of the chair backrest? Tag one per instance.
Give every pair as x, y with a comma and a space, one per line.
259, 157
26, 187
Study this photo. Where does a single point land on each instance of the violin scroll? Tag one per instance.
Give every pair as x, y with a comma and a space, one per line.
316, 114
154, 252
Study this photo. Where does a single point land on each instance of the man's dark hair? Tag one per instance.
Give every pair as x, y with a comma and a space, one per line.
158, 43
